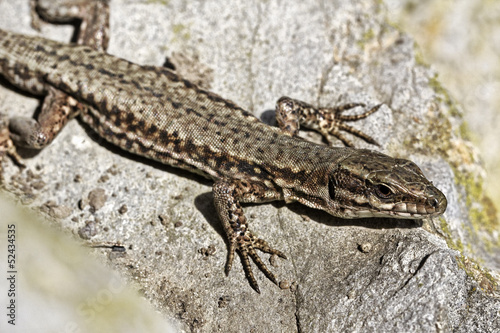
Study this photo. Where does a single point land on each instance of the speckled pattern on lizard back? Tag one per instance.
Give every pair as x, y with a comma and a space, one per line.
151, 111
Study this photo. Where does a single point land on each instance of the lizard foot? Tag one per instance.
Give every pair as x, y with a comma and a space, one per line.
7, 147
246, 246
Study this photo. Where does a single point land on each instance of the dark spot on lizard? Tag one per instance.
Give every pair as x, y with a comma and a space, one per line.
64, 57
107, 132
142, 147
129, 144
227, 165
90, 98
96, 121
172, 76
136, 84
189, 146
189, 111
152, 129
73, 63
213, 97
38, 48
249, 169
115, 110
106, 72
231, 105
220, 160
130, 118
103, 105
132, 128
121, 136
188, 84
161, 154
220, 123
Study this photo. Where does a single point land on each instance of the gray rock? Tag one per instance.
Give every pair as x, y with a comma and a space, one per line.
414, 276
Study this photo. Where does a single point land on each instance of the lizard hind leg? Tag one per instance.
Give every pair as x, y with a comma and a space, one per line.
227, 194
93, 17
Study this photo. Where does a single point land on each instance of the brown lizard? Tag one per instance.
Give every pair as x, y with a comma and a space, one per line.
152, 112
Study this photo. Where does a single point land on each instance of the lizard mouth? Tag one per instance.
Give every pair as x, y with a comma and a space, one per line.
433, 206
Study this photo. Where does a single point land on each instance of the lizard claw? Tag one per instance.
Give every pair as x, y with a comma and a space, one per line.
335, 122
246, 247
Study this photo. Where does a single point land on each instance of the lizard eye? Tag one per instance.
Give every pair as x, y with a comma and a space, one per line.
383, 191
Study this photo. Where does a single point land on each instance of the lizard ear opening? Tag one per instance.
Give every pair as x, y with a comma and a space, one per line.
331, 188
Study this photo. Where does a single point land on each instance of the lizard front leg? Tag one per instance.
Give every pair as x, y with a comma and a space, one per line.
330, 122
227, 196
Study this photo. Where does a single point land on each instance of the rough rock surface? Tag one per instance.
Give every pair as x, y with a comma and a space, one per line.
344, 275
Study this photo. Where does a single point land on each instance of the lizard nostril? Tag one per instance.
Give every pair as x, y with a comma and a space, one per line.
433, 202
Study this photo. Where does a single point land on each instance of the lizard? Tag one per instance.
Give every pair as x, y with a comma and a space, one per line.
153, 112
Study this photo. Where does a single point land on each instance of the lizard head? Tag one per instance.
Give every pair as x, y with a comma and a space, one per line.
366, 183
